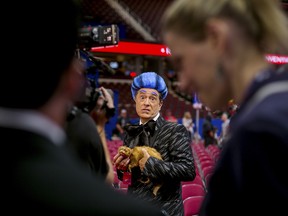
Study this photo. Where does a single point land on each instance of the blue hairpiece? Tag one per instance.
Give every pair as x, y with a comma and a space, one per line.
149, 80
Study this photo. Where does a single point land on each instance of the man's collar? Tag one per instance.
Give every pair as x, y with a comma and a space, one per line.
155, 118
32, 121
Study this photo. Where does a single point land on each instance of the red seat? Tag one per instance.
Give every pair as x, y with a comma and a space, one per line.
205, 158
197, 180
207, 163
207, 178
189, 190
207, 170
123, 185
192, 205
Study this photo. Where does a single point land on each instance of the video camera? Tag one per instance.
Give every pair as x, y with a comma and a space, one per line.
94, 36
90, 100
97, 36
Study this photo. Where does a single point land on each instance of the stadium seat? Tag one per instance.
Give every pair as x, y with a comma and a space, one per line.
189, 190
197, 180
192, 205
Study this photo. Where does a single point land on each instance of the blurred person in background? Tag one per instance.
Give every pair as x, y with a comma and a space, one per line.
170, 139
40, 176
224, 128
122, 121
187, 121
218, 49
208, 130
169, 116
85, 130
101, 114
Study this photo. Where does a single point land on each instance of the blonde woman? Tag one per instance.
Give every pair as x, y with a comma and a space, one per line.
218, 49
187, 121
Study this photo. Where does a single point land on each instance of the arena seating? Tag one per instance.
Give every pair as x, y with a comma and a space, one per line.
189, 190
192, 205
194, 191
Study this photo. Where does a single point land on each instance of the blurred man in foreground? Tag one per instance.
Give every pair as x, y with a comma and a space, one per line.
39, 176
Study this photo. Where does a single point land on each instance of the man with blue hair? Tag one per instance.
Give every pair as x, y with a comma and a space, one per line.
170, 139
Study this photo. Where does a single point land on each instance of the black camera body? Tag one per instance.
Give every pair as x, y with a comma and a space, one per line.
94, 36
97, 36
90, 102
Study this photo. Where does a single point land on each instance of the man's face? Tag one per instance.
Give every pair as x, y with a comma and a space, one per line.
124, 114
148, 103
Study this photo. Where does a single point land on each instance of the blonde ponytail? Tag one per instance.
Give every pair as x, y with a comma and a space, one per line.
272, 23
263, 21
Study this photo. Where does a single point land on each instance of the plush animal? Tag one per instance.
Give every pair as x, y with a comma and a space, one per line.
135, 154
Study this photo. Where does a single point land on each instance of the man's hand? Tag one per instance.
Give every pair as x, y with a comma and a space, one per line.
121, 162
98, 113
107, 97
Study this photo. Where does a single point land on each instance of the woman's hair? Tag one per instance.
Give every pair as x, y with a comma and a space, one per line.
187, 114
262, 21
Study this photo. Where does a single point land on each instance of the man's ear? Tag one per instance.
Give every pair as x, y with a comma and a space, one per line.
75, 80
160, 104
217, 32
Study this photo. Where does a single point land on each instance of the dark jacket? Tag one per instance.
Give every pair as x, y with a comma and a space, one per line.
41, 178
251, 175
208, 131
172, 141
86, 143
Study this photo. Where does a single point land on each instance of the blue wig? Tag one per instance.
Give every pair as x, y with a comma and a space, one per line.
149, 80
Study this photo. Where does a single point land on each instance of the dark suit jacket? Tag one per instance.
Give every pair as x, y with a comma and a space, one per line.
173, 142
40, 178
85, 142
251, 174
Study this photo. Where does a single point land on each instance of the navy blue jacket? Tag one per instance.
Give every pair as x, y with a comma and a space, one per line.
250, 177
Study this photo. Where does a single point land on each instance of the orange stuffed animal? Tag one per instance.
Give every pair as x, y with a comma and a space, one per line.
135, 154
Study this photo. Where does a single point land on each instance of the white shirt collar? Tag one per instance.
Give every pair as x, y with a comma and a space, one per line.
32, 121
155, 118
